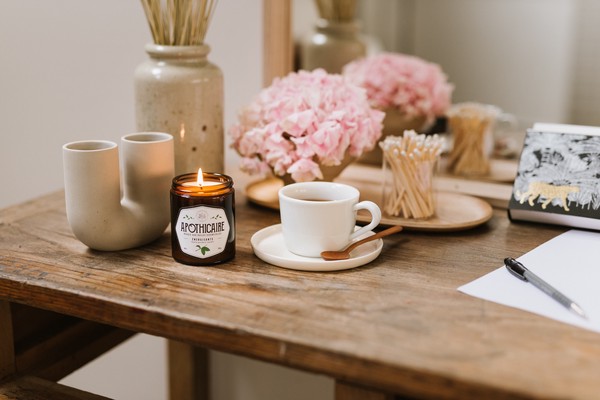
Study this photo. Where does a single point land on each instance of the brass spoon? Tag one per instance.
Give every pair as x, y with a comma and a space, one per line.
345, 254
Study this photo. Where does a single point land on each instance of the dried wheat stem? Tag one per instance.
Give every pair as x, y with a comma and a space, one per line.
179, 22
336, 10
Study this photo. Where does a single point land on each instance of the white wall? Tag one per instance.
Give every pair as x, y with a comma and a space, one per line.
66, 73
515, 54
136, 371
533, 58
586, 79
66, 69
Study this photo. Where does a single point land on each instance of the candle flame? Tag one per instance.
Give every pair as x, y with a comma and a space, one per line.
200, 178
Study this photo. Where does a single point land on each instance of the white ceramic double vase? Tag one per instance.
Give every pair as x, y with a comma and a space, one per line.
321, 216
99, 215
180, 92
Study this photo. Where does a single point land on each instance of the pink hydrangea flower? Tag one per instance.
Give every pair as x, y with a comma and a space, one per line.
409, 84
304, 121
304, 170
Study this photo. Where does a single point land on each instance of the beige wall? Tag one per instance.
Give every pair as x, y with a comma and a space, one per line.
537, 59
515, 54
66, 73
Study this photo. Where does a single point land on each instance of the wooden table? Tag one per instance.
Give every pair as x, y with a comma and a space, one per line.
396, 325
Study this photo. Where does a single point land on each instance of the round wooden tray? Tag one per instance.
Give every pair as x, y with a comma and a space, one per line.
454, 211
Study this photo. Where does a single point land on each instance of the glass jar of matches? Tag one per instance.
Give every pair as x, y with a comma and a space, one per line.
471, 126
409, 163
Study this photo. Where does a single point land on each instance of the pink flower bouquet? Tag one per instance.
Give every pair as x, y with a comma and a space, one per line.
411, 85
304, 121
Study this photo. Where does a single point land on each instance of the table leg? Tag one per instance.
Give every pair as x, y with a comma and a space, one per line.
7, 347
188, 372
348, 391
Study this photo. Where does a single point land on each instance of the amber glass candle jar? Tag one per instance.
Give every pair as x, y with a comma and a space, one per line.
202, 218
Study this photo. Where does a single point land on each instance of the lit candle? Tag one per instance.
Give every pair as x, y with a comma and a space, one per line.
202, 218
200, 182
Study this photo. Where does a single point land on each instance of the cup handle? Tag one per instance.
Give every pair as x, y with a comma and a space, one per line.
375, 217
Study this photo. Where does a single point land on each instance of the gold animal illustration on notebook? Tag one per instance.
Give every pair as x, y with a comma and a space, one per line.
547, 191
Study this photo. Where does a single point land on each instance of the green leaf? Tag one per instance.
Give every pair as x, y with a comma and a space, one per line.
204, 250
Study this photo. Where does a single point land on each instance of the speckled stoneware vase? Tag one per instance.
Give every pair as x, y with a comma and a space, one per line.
332, 45
177, 90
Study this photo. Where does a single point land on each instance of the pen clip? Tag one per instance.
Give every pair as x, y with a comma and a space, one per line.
515, 268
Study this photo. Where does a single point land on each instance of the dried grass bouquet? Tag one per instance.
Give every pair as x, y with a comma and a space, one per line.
179, 22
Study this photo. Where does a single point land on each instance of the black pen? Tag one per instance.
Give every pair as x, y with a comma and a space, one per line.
519, 270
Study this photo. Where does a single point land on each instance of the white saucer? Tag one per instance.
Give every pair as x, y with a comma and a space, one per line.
268, 245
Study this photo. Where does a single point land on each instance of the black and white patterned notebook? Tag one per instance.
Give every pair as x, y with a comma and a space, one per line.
558, 179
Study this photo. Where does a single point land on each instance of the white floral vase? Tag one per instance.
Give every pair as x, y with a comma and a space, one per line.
177, 90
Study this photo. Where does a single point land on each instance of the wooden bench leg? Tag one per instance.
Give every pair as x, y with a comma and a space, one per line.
346, 391
15, 387
34, 388
7, 347
188, 372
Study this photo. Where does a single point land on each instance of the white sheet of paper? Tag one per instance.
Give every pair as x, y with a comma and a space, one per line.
570, 262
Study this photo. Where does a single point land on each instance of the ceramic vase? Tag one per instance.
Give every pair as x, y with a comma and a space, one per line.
332, 45
177, 90
394, 124
102, 213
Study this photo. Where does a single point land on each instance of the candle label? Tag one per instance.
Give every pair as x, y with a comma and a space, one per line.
202, 231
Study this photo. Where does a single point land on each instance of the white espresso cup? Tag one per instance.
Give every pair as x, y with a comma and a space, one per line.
320, 216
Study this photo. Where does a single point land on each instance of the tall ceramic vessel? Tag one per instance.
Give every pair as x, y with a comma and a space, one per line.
102, 213
177, 90
332, 45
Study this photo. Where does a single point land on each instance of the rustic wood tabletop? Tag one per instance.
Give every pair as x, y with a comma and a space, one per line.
397, 324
